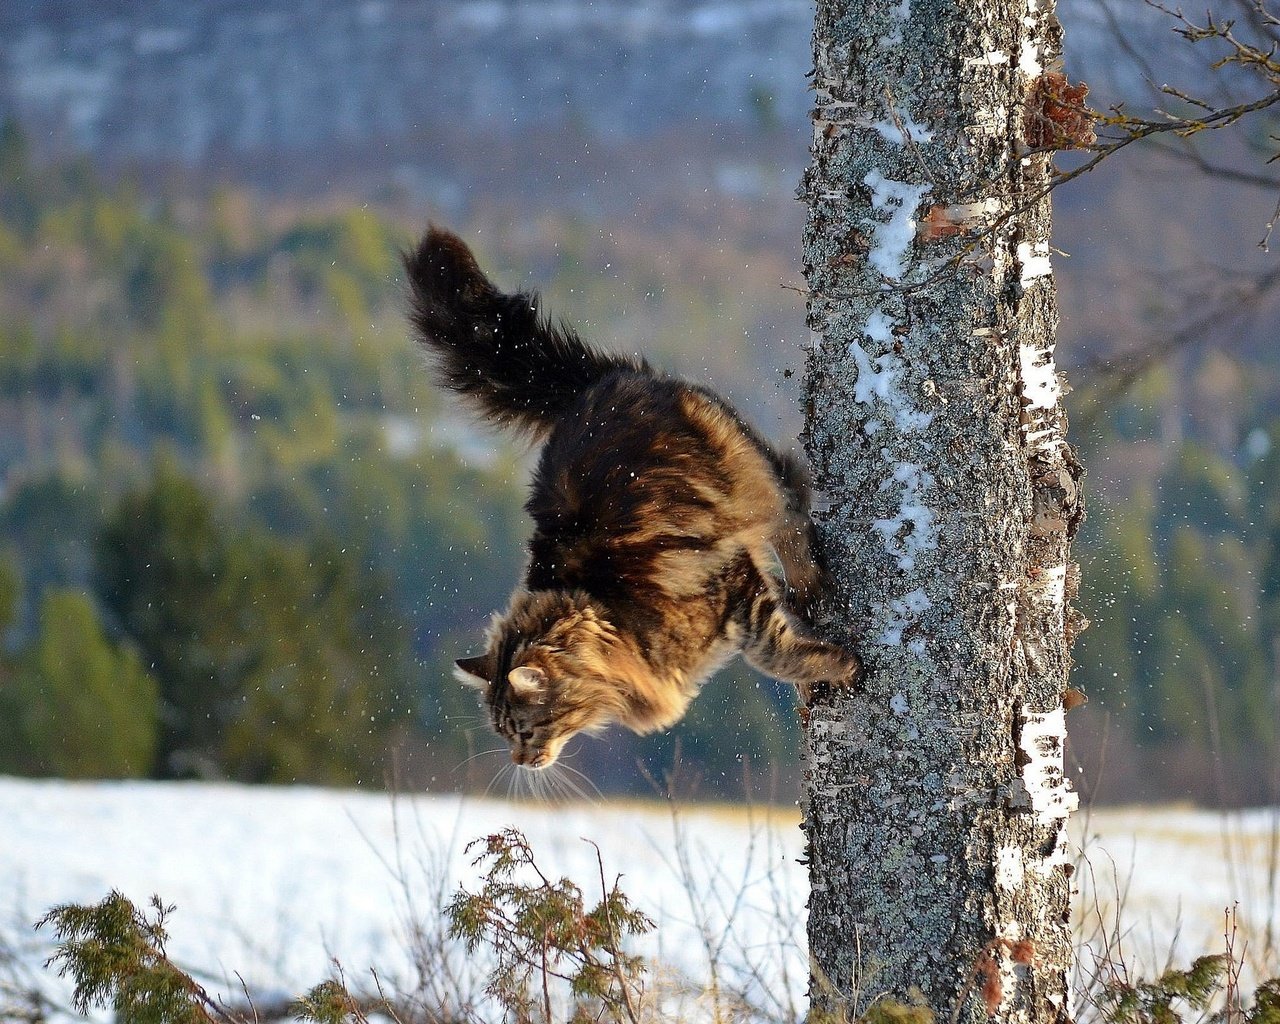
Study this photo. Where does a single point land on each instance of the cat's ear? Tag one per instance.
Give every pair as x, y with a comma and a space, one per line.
527, 682
474, 672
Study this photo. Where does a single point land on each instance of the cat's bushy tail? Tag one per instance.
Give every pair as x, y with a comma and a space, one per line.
495, 349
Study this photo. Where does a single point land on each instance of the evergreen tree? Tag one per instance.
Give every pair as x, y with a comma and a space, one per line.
274, 663
329, 672
10, 595
77, 705
48, 523
164, 576
19, 188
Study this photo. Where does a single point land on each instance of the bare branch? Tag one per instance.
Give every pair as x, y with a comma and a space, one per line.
1114, 376
1188, 153
1266, 238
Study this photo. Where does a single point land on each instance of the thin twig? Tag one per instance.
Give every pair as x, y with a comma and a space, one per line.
615, 941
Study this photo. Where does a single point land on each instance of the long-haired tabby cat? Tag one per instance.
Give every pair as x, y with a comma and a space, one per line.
657, 514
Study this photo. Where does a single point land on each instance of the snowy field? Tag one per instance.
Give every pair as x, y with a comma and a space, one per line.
273, 883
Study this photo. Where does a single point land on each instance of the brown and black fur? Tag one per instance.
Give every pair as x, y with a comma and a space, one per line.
658, 516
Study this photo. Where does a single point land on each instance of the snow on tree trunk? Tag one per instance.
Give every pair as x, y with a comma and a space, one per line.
935, 798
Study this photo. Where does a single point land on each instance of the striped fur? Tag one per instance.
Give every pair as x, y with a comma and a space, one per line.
658, 514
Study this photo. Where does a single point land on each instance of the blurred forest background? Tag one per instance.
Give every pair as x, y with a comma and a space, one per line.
242, 537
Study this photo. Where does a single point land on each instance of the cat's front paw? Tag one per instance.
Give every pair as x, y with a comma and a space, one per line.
848, 670
848, 675
853, 671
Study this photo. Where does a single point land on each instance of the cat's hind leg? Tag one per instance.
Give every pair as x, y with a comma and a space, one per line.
807, 581
795, 541
782, 646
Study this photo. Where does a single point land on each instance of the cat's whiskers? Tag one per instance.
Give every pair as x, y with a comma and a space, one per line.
515, 787
560, 763
536, 785
550, 785
496, 776
466, 761
560, 786
556, 790
563, 762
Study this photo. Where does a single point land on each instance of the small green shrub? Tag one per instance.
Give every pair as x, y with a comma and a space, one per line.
116, 957
552, 958
544, 938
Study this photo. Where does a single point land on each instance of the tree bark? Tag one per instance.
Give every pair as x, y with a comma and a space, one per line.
935, 797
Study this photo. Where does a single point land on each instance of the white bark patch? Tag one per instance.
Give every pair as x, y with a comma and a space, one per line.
898, 705
1062, 854
992, 59
921, 532
1029, 59
973, 213
989, 120
902, 613
1043, 788
1034, 261
1040, 386
1010, 869
1052, 584
830, 114
898, 200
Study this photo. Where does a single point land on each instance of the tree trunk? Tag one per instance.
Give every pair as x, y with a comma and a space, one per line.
935, 797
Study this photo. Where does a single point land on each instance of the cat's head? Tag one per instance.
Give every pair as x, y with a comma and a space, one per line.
545, 675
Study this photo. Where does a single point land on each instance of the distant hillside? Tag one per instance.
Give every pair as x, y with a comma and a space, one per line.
151, 78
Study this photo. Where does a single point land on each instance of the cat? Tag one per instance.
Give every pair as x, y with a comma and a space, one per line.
658, 514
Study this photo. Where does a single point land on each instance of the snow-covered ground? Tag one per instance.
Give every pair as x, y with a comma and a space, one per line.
272, 883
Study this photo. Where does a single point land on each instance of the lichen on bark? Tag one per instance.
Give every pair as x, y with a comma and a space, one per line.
935, 797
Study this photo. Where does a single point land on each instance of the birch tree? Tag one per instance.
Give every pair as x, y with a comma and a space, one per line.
935, 796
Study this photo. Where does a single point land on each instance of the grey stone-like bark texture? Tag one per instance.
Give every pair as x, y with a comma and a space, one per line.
935, 796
